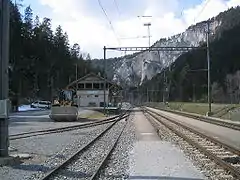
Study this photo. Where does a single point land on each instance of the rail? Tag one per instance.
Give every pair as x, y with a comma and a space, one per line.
85, 148
211, 120
62, 129
194, 137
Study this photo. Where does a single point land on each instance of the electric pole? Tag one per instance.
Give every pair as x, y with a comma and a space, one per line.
104, 86
149, 36
209, 71
164, 86
4, 59
147, 96
76, 76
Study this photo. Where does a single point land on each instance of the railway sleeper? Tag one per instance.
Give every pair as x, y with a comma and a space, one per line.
235, 165
219, 170
206, 160
232, 159
224, 154
210, 164
206, 143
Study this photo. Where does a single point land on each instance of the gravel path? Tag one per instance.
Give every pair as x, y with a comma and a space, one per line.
51, 149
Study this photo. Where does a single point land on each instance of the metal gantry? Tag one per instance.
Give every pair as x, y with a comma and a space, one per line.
139, 49
166, 48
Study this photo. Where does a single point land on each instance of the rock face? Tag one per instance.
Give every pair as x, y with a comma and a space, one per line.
134, 69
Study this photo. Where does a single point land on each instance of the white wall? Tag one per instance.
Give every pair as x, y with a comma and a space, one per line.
91, 96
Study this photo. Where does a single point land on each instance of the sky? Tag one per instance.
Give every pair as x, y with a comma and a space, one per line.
94, 24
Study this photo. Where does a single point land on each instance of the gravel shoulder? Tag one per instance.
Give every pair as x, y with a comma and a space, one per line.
118, 163
46, 151
226, 135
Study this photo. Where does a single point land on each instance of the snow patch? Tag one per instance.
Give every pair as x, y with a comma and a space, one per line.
27, 108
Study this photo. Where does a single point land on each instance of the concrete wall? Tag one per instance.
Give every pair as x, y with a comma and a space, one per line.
91, 97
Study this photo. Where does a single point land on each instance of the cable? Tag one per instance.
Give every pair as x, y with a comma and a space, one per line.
205, 5
117, 7
105, 13
137, 37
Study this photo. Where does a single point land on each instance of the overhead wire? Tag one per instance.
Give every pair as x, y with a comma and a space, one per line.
201, 11
137, 37
117, 7
110, 22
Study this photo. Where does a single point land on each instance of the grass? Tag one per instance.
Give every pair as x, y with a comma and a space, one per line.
219, 110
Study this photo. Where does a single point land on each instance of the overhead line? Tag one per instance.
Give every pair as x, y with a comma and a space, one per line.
105, 13
205, 5
117, 7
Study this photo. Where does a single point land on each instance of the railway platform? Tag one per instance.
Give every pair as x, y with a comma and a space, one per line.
152, 158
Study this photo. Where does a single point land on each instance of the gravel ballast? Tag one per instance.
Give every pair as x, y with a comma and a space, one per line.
118, 164
47, 151
87, 163
209, 168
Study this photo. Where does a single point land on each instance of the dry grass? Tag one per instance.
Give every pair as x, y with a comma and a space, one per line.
219, 110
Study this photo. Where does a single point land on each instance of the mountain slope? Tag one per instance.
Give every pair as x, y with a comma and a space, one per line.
185, 84
134, 69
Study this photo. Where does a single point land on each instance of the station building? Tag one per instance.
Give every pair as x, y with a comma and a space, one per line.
90, 91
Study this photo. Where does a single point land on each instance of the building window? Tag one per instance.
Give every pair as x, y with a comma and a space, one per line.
96, 86
89, 85
96, 95
81, 86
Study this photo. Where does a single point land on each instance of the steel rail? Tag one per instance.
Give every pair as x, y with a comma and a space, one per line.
106, 157
84, 148
206, 119
234, 171
226, 146
61, 129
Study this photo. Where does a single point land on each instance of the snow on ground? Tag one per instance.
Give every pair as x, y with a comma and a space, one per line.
26, 108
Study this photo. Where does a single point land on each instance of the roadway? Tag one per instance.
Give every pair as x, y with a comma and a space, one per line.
33, 120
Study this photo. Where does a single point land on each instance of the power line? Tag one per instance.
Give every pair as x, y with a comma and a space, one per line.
137, 37
205, 5
117, 7
105, 13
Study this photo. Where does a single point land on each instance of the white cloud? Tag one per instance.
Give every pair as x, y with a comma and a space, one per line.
93, 32
207, 9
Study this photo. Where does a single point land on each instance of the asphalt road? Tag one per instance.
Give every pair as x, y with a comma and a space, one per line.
30, 116
25, 121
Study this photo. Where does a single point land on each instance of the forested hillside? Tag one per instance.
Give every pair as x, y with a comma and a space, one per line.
186, 78
41, 59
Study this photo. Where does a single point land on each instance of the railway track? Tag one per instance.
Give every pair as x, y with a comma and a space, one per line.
227, 157
62, 129
206, 119
85, 154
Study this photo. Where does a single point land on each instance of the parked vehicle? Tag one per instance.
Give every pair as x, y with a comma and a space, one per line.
41, 104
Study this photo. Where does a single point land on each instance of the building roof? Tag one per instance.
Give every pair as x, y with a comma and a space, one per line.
92, 75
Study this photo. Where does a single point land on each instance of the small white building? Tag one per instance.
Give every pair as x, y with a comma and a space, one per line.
90, 91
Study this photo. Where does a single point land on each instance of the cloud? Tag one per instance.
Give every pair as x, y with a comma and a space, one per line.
86, 24
207, 9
